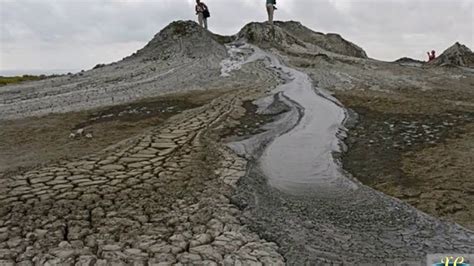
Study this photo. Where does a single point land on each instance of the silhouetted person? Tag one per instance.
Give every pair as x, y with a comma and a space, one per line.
270, 10
202, 11
431, 56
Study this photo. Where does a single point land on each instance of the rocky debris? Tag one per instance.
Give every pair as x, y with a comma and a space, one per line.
456, 55
79, 133
156, 199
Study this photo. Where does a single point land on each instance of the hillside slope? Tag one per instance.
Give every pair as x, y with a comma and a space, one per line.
456, 55
179, 58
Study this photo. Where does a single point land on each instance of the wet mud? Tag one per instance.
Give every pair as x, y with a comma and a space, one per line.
327, 221
250, 123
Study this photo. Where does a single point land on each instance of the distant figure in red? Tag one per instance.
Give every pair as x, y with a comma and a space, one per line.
431, 56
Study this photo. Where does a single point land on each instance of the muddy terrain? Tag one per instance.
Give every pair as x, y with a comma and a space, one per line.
30, 142
278, 145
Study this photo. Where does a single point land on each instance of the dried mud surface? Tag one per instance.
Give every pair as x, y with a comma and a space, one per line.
159, 198
420, 153
31, 142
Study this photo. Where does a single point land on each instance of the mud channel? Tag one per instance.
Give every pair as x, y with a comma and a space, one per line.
327, 218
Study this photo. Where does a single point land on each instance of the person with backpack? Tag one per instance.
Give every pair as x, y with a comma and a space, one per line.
270, 10
202, 11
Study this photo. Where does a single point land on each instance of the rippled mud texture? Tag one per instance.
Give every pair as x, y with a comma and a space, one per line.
423, 159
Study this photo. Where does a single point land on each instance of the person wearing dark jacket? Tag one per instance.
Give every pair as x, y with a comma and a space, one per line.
431, 56
202, 11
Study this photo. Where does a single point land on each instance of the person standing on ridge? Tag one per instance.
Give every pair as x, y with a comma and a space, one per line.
202, 11
431, 56
270, 10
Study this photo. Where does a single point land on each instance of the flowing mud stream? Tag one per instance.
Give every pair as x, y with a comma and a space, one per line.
296, 194
300, 155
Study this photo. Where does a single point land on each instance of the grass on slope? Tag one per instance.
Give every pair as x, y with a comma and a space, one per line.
18, 79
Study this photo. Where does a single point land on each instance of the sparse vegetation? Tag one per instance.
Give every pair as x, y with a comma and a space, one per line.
18, 79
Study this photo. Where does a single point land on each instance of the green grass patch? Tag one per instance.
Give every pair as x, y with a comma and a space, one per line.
18, 79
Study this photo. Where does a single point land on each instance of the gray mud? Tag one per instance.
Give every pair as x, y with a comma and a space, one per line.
331, 222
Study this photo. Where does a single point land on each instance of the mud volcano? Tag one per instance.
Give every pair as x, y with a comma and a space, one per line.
339, 158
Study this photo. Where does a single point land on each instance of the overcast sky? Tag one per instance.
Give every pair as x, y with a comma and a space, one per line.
78, 34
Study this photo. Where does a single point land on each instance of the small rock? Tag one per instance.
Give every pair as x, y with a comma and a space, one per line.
14, 242
135, 252
111, 248
7, 263
207, 252
188, 258
65, 245
86, 261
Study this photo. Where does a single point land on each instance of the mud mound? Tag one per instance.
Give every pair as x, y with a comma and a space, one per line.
456, 55
181, 57
182, 38
284, 35
266, 36
330, 42
406, 60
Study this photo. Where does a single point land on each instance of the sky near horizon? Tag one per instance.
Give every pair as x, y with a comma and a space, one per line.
44, 35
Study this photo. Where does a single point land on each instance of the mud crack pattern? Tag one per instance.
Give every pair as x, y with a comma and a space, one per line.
161, 198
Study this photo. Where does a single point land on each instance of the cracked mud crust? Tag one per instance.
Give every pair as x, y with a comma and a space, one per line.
420, 153
26, 143
159, 197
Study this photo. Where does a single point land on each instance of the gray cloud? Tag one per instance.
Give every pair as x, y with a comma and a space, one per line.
76, 34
